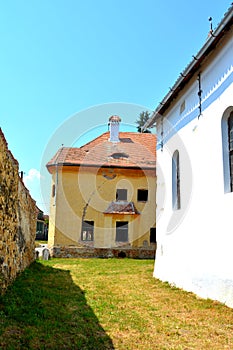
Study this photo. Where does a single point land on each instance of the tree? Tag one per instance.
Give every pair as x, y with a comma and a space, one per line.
142, 119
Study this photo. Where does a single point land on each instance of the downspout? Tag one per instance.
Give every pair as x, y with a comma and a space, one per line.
56, 178
199, 94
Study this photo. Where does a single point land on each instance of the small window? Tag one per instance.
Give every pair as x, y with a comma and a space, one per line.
182, 107
176, 181
53, 191
119, 155
122, 231
153, 235
40, 215
126, 140
121, 195
87, 231
142, 195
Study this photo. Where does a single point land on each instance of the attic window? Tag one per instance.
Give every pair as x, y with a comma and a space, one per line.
126, 140
119, 155
182, 107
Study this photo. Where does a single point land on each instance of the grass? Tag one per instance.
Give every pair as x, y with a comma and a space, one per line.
107, 304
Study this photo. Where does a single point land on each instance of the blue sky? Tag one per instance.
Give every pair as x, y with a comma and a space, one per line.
61, 58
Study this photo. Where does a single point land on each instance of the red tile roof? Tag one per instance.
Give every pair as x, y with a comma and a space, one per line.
121, 207
134, 150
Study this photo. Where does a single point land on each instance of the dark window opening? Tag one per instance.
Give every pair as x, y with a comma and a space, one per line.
121, 195
176, 181
87, 231
122, 231
53, 191
230, 148
40, 215
153, 235
126, 140
39, 228
142, 195
119, 155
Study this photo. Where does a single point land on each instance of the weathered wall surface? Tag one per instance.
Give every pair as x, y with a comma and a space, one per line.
17, 219
95, 192
87, 252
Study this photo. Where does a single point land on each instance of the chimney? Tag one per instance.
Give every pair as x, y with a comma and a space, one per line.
114, 122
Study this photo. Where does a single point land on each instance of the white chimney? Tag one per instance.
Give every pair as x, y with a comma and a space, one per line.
114, 122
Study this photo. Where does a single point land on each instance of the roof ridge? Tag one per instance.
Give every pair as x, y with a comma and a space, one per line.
107, 132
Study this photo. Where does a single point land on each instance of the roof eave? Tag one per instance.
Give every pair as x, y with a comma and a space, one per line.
57, 165
194, 65
122, 213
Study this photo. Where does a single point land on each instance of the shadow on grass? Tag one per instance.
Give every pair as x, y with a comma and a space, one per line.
44, 309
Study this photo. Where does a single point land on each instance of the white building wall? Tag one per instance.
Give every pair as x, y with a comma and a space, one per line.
195, 243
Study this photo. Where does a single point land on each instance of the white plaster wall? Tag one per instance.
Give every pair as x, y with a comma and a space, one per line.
195, 243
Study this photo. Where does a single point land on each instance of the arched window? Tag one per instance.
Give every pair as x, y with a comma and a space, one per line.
227, 148
230, 146
176, 181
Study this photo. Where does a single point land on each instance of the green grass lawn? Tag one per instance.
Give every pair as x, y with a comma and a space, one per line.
107, 304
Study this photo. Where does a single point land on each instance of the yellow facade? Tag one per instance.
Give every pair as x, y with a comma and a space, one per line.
82, 194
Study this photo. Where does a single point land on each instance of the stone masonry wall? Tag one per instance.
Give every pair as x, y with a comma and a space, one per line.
17, 219
87, 252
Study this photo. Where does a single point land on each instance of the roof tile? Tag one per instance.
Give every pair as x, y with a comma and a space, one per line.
133, 150
121, 207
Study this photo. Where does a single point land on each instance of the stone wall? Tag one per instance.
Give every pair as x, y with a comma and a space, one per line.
17, 219
87, 252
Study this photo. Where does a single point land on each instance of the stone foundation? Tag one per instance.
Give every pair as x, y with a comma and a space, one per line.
17, 219
86, 252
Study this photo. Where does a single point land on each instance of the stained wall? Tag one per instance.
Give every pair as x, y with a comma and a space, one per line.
17, 219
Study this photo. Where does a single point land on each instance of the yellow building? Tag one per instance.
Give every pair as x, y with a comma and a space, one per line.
103, 194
